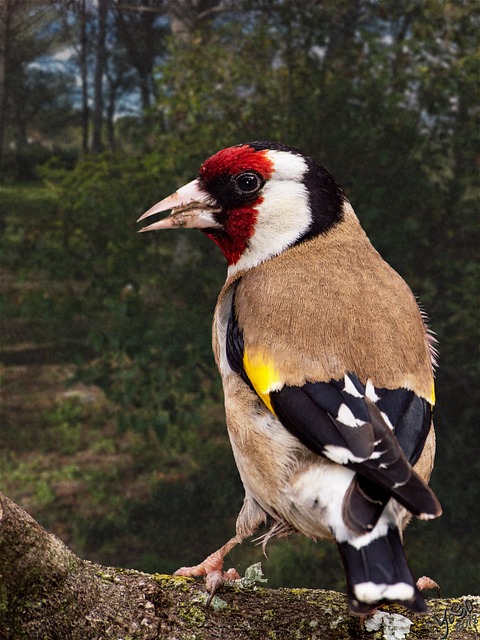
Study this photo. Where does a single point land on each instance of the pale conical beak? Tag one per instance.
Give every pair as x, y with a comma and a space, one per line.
192, 208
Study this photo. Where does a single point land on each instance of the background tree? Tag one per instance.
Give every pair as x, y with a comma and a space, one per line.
77, 19
26, 34
100, 64
142, 28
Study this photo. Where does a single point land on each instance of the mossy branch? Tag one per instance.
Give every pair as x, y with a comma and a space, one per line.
47, 592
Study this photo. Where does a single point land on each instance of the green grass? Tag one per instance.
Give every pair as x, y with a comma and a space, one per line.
27, 200
29, 212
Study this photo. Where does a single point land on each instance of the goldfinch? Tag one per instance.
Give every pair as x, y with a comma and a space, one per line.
326, 363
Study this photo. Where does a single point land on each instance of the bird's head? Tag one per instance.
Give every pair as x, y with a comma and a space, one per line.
255, 200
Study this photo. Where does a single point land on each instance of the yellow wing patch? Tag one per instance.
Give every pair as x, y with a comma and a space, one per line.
263, 375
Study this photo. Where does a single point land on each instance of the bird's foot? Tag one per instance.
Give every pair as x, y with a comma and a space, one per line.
212, 569
427, 583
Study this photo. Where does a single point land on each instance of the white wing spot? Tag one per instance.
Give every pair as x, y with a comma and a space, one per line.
387, 421
370, 392
350, 388
340, 455
345, 416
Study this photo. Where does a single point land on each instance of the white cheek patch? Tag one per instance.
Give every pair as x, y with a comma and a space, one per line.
288, 166
284, 214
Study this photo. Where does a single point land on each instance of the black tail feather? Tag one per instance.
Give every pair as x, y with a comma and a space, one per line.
418, 498
364, 501
363, 505
371, 488
378, 573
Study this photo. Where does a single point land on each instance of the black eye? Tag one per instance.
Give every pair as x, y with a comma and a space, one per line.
248, 182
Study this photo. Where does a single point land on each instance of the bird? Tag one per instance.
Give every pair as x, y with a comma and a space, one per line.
327, 365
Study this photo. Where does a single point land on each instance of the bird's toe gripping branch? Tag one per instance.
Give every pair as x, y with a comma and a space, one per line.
212, 568
425, 583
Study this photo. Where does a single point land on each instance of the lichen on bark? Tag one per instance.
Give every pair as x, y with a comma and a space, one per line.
47, 592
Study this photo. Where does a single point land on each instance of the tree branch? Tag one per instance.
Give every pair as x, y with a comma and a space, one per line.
47, 592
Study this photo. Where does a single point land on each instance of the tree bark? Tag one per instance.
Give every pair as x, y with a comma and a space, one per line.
47, 592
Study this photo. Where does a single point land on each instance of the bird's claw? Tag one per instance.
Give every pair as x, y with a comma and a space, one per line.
427, 583
216, 579
212, 569
211, 576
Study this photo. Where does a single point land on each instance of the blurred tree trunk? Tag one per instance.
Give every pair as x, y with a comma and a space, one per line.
141, 39
18, 121
47, 592
83, 63
341, 51
100, 63
77, 33
110, 113
5, 25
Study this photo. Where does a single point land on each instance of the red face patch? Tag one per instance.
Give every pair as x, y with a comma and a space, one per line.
239, 219
239, 228
235, 160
